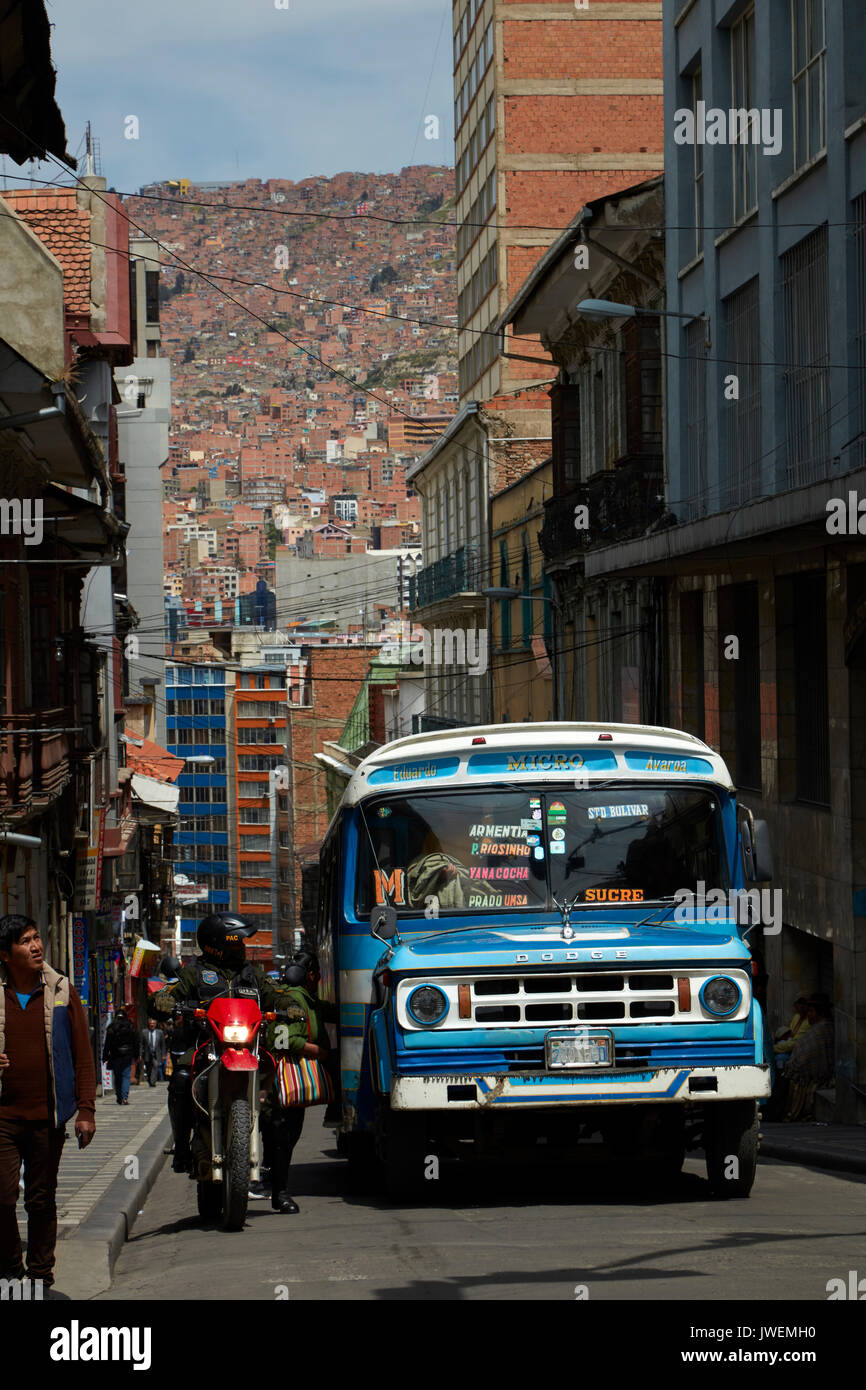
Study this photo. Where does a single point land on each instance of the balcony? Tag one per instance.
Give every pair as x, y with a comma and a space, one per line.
622, 502
458, 573
34, 764
560, 540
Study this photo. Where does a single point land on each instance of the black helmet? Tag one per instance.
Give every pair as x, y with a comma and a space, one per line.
302, 962
221, 936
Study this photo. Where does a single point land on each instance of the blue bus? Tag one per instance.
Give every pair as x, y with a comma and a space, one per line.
537, 936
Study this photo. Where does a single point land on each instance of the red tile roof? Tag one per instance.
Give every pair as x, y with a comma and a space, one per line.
152, 761
54, 216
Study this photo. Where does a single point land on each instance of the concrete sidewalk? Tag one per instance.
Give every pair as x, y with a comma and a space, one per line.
101, 1189
840, 1147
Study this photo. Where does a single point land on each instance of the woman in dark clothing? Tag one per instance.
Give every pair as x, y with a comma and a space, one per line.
120, 1051
307, 1040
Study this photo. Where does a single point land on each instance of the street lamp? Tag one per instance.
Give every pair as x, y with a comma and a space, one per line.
598, 309
503, 593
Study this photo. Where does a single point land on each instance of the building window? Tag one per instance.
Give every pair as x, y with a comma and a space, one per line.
525, 587
151, 294
258, 762
599, 432
808, 53
254, 844
743, 413
697, 89
43, 642
805, 299
255, 895
505, 604
810, 689
253, 815
565, 437
692, 661
695, 500
248, 789
548, 610
859, 209
747, 687
642, 381
743, 86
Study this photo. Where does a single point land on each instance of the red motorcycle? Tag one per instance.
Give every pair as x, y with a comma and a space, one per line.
228, 1072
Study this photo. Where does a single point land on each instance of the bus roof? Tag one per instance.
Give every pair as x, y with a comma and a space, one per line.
552, 752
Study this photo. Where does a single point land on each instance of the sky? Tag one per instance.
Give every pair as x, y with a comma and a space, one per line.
227, 89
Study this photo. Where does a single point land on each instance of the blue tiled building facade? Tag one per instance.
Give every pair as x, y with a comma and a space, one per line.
196, 722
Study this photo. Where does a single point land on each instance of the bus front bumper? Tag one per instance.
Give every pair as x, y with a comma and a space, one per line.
677, 1085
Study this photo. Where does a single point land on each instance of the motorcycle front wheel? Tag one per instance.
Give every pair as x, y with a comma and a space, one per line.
236, 1169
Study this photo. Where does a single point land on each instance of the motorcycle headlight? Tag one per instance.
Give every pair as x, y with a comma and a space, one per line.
427, 1005
236, 1033
721, 996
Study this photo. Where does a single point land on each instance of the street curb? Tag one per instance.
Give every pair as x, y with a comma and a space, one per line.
112, 1220
813, 1158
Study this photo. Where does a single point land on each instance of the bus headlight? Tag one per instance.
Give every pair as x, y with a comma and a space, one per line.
721, 996
427, 1005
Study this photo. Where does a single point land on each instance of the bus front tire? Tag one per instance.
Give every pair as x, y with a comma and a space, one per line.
731, 1131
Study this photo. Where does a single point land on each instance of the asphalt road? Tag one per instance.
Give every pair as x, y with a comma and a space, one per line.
504, 1235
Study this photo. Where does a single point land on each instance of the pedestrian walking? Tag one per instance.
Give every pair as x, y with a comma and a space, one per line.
120, 1050
302, 1078
46, 1075
153, 1052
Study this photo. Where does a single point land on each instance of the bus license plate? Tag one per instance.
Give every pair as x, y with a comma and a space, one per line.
566, 1051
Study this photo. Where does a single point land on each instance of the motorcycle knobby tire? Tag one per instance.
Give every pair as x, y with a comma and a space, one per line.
236, 1170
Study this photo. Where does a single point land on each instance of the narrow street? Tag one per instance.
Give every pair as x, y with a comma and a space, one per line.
488, 1236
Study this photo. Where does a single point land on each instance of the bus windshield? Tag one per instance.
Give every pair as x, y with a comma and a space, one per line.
488, 851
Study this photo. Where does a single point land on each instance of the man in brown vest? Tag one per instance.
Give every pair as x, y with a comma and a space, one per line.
46, 1075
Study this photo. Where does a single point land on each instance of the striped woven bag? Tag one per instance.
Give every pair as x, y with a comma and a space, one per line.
303, 1081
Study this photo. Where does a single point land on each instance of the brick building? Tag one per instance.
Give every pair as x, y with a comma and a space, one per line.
334, 678
554, 107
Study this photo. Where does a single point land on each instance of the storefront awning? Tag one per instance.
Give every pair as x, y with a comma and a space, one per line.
159, 796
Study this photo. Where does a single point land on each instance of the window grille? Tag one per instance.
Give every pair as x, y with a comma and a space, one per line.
859, 220
743, 413
696, 420
805, 295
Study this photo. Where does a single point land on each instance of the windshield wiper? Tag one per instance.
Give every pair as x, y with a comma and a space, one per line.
666, 898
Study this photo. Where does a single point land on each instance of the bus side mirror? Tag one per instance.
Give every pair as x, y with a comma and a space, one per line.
383, 923
757, 852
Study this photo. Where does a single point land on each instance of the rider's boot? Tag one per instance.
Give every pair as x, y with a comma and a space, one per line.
180, 1113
